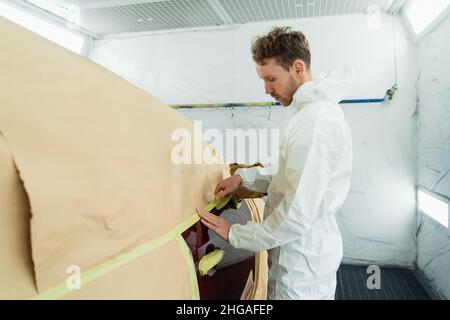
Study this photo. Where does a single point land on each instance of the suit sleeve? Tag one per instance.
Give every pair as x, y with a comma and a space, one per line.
256, 179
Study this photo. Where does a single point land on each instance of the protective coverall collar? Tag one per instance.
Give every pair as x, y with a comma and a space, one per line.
332, 86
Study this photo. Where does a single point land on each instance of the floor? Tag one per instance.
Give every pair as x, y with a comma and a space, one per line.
396, 284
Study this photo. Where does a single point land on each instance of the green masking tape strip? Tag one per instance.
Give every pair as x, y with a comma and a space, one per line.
210, 206
217, 204
192, 272
222, 203
186, 224
116, 262
209, 261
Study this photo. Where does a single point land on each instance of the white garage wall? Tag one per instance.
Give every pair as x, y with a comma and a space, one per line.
433, 80
378, 219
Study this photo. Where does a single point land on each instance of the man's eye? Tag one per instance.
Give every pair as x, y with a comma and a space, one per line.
272, 79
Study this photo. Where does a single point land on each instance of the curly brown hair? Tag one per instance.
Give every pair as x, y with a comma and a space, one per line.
284, 45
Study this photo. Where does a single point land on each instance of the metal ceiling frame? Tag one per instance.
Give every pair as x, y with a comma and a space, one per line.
221, 12
108, 3
215, 6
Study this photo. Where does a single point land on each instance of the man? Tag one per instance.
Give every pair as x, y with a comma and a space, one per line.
313, 178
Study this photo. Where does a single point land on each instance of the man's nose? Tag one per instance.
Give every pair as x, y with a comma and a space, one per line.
269, 89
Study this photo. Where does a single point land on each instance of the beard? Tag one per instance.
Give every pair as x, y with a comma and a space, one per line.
291, 89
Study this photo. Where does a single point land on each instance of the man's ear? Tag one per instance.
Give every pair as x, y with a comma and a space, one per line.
299, 67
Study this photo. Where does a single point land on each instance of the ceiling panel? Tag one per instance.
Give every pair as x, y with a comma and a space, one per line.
244, 11
106, 17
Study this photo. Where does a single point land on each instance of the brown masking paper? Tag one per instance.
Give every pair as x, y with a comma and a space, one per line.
93, 154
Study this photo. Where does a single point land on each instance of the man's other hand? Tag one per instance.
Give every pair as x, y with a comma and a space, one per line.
217, 224
227, 186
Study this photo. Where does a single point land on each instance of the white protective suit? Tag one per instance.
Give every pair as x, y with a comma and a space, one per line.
313, 179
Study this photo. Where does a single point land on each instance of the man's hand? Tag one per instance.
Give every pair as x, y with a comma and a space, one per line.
215, 223
227, 186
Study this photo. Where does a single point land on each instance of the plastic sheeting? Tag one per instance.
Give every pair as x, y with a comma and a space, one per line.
433, 240
263, 119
